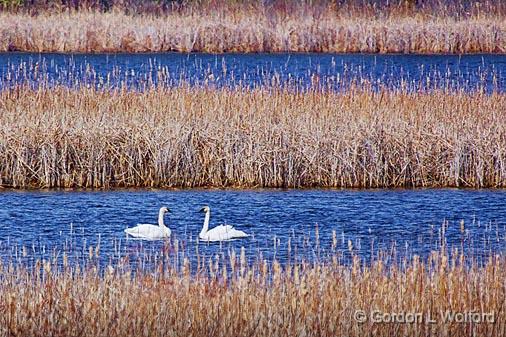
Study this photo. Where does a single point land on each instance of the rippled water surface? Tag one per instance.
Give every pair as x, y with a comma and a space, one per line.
334, 71
309, 223
369, 220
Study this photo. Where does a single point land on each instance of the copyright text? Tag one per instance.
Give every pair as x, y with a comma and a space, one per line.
378, 316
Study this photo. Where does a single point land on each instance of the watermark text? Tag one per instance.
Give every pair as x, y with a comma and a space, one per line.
378, 316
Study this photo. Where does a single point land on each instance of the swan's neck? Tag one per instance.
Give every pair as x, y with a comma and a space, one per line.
160, 219
206, 223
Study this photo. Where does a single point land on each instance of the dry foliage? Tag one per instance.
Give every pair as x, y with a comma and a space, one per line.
191, 136
234, 298
255, 28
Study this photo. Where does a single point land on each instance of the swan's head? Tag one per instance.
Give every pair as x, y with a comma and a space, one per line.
164, 210
205, 209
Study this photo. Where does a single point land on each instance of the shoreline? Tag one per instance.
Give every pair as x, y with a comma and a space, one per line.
9, 189
261, 53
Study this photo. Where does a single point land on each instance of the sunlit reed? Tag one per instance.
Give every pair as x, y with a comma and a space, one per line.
324, 27
210, 137
228, 295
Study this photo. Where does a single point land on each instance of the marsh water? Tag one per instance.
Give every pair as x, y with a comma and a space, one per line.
283, 223
329, 71
304, 223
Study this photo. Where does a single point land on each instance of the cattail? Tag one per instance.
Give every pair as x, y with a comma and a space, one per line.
232, 261
311, 28
402, 142
303, 294
243, 261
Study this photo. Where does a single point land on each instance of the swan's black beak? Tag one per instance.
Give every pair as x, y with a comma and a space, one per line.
202, 210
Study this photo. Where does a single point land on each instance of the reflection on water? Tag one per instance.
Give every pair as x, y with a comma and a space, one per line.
330, 71
305, 224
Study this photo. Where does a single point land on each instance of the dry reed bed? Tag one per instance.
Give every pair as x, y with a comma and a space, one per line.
253, 30
234, 298
189, 137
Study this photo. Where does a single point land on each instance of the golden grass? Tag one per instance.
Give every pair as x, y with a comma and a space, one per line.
230, 297
302, 28
190, 136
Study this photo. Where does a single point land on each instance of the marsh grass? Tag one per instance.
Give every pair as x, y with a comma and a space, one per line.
228, 295
282, 26
189, 136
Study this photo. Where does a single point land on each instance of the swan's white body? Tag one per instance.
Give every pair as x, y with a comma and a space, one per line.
218, 233
151, 232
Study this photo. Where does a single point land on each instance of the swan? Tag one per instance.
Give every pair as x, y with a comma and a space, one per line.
151, 232
218, 233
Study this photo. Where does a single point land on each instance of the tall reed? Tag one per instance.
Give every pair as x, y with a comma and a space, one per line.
390, 8
231, 297
197, 136
326, 27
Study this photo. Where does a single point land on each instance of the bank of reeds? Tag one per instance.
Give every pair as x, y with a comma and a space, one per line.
466, 27
447, 293
267, 137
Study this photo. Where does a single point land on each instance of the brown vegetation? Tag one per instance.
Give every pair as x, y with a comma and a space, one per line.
230, 297
350, 27
191, 136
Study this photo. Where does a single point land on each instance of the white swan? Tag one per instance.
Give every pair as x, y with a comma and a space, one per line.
218, 233
151, 232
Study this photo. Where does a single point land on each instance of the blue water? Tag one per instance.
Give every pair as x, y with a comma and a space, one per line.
282, 223
409, 220
329, 71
